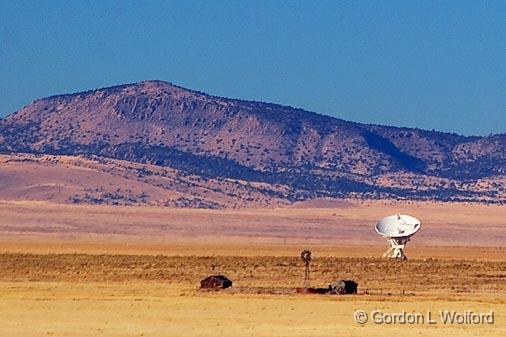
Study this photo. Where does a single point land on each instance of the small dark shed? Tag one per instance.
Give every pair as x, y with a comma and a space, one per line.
215, 282
343, 287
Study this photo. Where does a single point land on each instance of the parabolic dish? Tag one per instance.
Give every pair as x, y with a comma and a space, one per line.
398, 226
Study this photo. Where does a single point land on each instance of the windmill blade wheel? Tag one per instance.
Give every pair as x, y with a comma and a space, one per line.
305, 255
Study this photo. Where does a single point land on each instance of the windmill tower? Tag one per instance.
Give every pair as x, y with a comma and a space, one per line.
305, 255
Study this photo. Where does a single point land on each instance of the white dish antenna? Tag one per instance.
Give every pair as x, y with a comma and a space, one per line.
397, 229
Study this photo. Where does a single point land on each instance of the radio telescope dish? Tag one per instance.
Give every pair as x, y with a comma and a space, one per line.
397, 229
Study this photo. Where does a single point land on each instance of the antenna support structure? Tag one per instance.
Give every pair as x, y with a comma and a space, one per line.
396, 249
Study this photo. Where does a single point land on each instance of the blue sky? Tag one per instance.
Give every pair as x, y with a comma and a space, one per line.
428, 64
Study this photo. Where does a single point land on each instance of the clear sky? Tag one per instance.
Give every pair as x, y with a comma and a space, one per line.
428, 64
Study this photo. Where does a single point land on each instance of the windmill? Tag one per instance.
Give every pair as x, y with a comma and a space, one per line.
305, 255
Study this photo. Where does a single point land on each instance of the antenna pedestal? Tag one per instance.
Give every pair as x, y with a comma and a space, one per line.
396, 249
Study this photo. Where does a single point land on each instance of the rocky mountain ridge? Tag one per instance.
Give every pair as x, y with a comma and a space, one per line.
311, 155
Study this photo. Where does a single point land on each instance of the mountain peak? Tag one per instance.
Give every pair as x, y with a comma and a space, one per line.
146, 87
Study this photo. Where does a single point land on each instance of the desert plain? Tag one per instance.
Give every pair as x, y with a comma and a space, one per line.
78, 270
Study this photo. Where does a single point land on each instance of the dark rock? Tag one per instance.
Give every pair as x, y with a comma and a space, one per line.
215, 282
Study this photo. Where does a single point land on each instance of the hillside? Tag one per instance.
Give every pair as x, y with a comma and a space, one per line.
98, 180
300, 155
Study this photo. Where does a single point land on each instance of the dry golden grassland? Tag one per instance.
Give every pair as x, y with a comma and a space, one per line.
375, 275
134, 271
156, 295
163, 309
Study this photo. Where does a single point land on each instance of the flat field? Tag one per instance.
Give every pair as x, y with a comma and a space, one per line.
134, 271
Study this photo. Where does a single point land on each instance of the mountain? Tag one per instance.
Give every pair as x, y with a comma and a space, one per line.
299, 154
